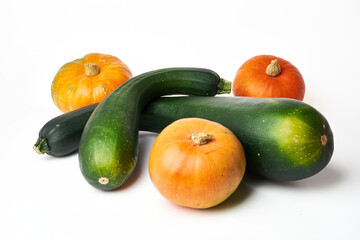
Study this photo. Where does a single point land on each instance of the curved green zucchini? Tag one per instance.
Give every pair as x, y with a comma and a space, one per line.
108, 145
283, 139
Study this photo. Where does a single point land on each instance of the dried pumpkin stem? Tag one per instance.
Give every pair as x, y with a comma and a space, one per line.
201, 138
274, 68
91, 69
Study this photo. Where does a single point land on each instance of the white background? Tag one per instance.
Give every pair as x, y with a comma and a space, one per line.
47, 198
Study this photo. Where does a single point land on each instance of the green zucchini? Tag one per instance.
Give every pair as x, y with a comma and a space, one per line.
283, 139
61, 135
108, 145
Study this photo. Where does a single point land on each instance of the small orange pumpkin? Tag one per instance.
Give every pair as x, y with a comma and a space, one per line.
87, 80
269, 76
196, 163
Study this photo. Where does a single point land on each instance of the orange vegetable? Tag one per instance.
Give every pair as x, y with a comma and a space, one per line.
269, 76
196, 163
87, 80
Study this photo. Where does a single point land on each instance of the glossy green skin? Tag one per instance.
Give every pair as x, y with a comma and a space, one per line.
61, 135
108, 146
281, 137
284, 132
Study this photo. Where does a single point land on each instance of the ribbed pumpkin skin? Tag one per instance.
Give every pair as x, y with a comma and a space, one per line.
72, 88
192, 175
251, 80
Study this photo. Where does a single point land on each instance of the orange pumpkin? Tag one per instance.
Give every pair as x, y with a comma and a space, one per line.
269, 76
196, 163
87, 80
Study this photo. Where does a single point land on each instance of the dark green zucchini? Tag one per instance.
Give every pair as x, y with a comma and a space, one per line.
61, 135
108, 145
283, 139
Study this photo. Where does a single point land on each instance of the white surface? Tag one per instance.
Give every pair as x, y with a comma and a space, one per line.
47, 198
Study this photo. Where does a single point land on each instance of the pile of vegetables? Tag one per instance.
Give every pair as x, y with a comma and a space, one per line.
204, 142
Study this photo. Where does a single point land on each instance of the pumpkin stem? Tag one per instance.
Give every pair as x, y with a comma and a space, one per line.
91, 69
41, 146
201, 138
274, 68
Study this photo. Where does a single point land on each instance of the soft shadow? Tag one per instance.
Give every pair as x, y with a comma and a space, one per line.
240, 195
145, 138
47, 157
327, 178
